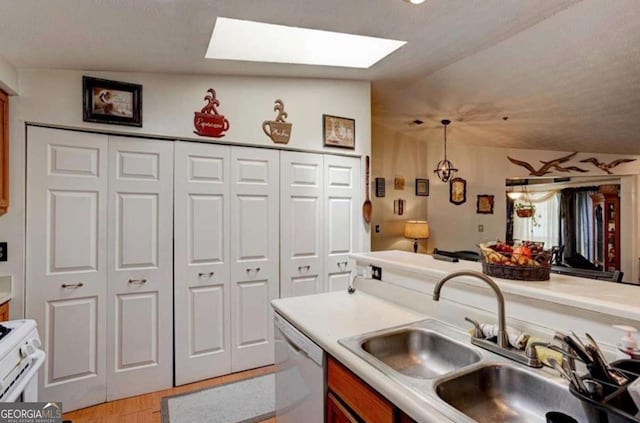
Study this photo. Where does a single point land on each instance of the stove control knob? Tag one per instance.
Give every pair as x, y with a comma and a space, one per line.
36, 343
26, 350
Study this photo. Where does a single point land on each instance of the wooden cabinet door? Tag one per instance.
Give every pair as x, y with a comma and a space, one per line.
342, 219
338, 413
255, 238
140, 273
66, 256
4, 152
4, 311
369, 405
301, 225
202, 279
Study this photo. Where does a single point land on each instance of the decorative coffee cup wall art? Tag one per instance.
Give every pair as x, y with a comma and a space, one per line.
278, 130
208, 122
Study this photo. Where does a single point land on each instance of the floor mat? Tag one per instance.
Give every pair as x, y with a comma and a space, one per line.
248, 400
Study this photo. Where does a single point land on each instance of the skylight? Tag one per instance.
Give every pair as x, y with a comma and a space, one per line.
235, 39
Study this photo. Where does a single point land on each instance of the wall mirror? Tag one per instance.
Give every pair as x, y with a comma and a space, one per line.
587, 220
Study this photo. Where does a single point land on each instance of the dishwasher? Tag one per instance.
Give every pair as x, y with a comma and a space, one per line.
299, 375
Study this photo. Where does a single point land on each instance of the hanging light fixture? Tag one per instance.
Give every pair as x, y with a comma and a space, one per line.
445, 169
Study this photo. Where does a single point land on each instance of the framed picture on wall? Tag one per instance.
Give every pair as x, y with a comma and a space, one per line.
112, 102
484, 204
457, 191
422, 187
339, 132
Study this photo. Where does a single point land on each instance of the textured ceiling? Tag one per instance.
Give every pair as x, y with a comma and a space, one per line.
566, 72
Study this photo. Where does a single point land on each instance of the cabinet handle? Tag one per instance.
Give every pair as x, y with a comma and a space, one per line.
304, 268
342, 265
255, 269
137, 281
209, 274
72, 285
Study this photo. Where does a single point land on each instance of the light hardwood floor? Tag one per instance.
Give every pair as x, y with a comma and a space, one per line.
146, 408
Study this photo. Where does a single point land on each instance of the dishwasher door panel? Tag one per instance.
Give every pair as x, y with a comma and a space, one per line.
300, 383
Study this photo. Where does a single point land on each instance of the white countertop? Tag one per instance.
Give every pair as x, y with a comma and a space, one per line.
326, 318
605, 297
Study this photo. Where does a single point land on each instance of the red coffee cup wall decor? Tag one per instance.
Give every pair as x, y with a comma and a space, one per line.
208, 122
278, 130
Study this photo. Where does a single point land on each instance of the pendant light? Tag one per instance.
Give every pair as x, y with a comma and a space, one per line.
445, 169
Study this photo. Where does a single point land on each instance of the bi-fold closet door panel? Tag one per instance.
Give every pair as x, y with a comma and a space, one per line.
342, 219
140, 273
226, 258
254, 254
202, 274
66, 257
301, 225
100, 263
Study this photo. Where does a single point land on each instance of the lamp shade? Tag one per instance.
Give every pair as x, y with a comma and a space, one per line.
416, 229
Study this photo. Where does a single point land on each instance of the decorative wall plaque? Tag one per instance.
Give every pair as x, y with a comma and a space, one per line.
606, 166
208, 122
278, 130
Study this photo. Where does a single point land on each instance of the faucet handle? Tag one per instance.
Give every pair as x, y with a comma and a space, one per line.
477, 331
531, 351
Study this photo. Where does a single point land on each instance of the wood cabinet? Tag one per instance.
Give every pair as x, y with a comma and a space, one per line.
606, 221
4, 152
350, 399
4, 311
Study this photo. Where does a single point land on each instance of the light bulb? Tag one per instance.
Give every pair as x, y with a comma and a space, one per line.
416, 1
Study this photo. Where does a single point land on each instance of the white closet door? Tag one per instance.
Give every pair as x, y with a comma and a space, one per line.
140, 274
301, 193
66, 261
202, 276
254, 254
342, 217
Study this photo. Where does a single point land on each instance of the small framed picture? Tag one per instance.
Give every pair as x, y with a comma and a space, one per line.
457, 191
339, 132
398, 183
398, 206
484, 204
422, 187
112, 102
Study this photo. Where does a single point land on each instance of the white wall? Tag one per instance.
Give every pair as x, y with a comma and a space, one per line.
8, 77
455, 227
169, 102
396, 154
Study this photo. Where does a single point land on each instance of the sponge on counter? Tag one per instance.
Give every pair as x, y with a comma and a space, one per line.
545, 353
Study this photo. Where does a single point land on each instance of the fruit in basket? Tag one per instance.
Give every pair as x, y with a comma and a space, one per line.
528, 254
521, 255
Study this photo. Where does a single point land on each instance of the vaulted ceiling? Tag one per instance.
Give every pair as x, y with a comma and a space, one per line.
565, 72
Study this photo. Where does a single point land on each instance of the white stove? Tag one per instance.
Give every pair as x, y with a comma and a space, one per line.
20, 358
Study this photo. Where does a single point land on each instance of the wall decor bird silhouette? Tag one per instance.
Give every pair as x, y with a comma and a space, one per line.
606, 166
547, 166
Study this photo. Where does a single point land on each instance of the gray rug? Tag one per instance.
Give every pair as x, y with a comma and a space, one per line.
248, 400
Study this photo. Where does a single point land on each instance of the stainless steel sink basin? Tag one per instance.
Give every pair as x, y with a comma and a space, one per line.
503, 393
419, 353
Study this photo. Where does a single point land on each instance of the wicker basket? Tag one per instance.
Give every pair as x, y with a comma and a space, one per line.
521, 273
524, 212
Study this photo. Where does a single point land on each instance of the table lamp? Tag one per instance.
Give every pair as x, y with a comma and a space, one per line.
416, 229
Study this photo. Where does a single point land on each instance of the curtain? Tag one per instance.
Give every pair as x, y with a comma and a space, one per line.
546, 228
576, 221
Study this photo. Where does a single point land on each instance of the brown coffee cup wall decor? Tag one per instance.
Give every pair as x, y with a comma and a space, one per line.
208, 122
278, 130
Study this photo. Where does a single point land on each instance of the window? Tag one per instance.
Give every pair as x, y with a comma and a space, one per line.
544, 226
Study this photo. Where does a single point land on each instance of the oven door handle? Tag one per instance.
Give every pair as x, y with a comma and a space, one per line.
29, 376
